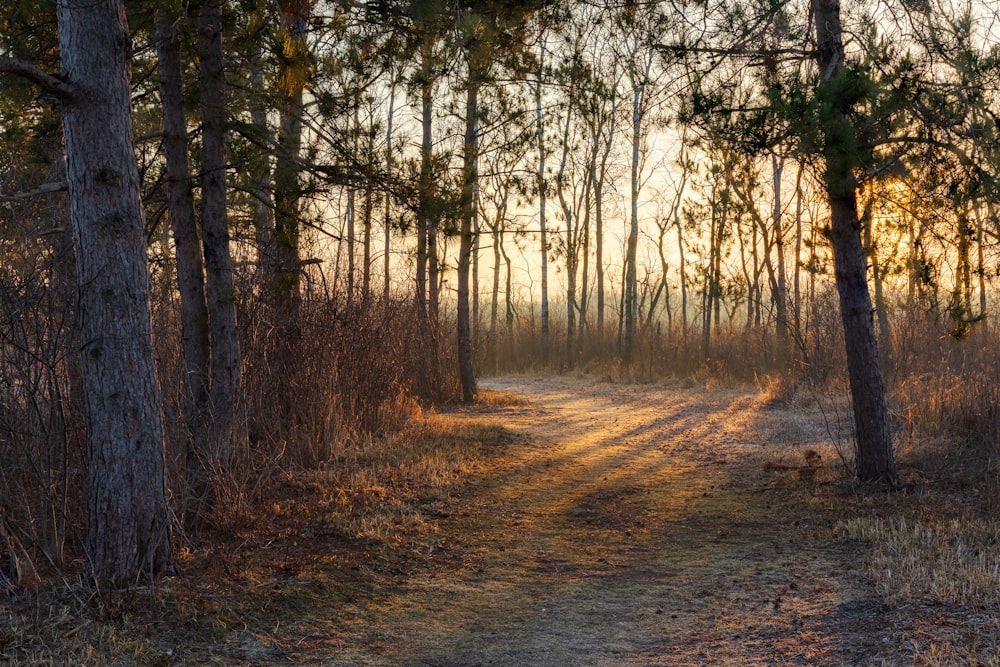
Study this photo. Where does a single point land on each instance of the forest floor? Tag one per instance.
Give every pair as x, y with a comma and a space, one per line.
595, 524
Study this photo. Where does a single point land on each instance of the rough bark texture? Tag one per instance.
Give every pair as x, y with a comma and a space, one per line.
190, 268
874, 441
127, 524
225, 389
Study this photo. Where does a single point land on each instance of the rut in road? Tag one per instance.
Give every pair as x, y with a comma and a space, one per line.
635, 526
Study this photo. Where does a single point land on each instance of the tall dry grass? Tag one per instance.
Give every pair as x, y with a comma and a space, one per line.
354, 370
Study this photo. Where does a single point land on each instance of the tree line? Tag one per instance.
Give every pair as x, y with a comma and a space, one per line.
228, 226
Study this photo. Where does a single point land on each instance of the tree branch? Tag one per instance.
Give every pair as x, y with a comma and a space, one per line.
50, 84
45, 189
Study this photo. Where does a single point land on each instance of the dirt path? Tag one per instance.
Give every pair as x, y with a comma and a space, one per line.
634, 526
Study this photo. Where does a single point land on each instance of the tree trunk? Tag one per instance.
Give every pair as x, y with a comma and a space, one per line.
583, 329
366, 241
571, 242
631, 286
476, 247
871, 416
426, 183
127, 523
495, 298
981, 262
796, 285
466, 372
386, 264
682, 274
599, 253
195, 348
220, 291
292, 76
781, 280
870, 246
540, 131
599, 174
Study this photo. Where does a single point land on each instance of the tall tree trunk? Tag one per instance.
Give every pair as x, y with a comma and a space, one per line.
682, 274
292, 76
495, 298
870, 246
366, 241
195, 350
598, 175
433, 269
781, 279
599, 251
259, 173
351, 253
796, 275
127, 522
508, 298
386, 264
571, 240
466, 372
476, 243
631, 286
540, 131
225, 386
426, 189
871, 415
981, 261
584, 326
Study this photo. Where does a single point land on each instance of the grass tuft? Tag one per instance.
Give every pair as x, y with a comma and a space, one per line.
931, 560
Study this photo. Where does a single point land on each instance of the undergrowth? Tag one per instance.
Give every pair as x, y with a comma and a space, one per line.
321, 540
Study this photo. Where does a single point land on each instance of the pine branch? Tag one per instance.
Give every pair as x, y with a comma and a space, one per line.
47, 82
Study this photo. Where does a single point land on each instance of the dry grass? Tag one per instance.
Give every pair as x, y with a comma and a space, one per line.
321, 539
932, 561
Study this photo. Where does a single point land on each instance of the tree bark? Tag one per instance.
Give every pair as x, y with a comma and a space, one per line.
127, 524
871, 420
466, 372
220, 291
195, 348
292, 76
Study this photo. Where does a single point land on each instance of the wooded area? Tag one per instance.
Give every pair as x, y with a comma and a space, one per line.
236, 236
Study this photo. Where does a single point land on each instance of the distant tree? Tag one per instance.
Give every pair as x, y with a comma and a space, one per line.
489, 31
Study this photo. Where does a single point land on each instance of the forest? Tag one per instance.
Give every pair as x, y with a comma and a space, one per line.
251, 250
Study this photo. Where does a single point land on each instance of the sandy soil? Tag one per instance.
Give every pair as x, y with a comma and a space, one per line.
635, 526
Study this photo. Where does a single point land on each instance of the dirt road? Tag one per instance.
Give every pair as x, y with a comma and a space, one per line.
636, 526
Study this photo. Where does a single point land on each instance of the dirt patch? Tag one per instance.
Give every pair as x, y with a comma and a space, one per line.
635, 526
562, 522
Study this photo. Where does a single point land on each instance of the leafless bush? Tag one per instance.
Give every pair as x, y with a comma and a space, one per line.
41, 445
354, 368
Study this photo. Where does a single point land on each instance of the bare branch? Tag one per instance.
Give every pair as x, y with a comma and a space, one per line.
48, 188
50, 84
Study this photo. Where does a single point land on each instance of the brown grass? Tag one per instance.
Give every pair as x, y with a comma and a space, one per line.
931, 560
321, 540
